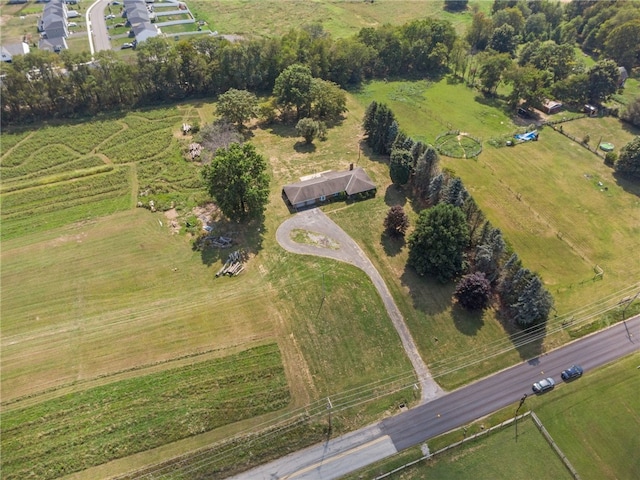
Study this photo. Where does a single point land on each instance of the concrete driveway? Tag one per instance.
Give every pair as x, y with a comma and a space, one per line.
333, 242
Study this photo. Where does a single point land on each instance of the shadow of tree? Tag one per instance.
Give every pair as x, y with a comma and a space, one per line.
283, 130
428, 295
527, 342
392, 246
394, 195
304, 147
466, 321
245, 236
627, 184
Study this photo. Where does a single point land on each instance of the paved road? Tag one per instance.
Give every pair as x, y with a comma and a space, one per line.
97, 26
341, 246
345, 454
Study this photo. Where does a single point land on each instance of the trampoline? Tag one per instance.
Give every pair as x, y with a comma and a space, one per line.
606, 146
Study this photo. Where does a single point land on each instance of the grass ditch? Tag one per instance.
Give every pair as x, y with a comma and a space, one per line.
87, 428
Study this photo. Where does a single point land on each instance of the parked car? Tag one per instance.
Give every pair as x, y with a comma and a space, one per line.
574, 371
110, 16
543, 385
127, 45
72, 24
524, 113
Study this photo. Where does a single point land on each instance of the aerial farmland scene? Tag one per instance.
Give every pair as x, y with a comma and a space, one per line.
319, 239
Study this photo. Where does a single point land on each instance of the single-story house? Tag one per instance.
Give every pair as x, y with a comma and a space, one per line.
11, 50
550, 107
326, 186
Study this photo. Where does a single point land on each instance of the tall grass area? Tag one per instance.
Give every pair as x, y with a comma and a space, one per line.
82, 429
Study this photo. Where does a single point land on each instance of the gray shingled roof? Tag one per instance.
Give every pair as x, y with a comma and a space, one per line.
329, 183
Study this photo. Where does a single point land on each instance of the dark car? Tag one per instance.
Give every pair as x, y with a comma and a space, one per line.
524, 113
574, 371
543, 385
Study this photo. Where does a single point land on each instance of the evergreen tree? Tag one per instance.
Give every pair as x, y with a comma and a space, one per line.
629, 160
455, 193
368, 123
400, 166
436, 186
533, 304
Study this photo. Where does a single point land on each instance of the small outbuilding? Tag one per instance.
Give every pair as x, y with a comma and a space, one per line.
327, 186
591, 110
550, 107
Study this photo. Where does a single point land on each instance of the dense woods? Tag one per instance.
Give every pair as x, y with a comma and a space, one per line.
43, 84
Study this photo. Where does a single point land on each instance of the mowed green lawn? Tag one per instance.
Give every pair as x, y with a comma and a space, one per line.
595, 420
558, 205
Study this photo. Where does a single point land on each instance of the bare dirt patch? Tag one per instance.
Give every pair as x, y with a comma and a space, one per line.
172, 220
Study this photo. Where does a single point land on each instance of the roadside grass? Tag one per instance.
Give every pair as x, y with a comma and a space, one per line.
595, 420
602, 129
90, 427
598, 442
341, 19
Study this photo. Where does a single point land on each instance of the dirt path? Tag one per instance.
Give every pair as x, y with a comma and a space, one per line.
338, 245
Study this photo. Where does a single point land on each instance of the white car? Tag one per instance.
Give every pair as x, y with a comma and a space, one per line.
110, 16
127, 45
72, 24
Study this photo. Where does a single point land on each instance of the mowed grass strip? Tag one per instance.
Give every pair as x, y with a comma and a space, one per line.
80, 430
595, 420
494, 456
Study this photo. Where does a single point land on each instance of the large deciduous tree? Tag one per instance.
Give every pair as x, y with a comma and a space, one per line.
293, 90
237, 180
396, 222
436, 247
603, 80
237, 106
473, 291
629, 160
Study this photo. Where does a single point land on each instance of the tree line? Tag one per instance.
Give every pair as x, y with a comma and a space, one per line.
452, 239
43, 84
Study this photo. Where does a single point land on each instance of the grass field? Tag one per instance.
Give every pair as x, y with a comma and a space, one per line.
81, 288
87, 428
341, 18
595, 421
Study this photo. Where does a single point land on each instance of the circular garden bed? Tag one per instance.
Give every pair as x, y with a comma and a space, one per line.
458, 144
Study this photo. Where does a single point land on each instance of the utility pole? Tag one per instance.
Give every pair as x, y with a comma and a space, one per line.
524, 397
329, 407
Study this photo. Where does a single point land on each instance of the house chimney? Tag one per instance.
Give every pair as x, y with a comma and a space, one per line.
351, 166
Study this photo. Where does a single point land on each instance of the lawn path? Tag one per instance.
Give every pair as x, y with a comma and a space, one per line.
348, 251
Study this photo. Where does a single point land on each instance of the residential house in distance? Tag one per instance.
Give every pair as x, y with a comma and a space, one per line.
9, 51
139, 19
326, 186
53, 26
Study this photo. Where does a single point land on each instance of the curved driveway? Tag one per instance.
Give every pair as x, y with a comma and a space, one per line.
348, 251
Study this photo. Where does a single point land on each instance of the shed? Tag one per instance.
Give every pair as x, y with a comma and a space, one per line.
591, 110
326, 186
551, 106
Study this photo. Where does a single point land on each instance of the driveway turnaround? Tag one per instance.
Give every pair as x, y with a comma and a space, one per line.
341, 247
